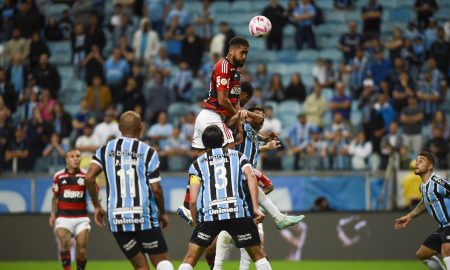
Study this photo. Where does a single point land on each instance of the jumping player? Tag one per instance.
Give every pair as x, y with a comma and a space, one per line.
435, 199
69, 211
135, 196
219, 200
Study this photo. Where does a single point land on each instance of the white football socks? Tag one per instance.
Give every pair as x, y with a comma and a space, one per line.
446, 261
223, 248
245, 260
268, 205
263, 264
164, 265
185, 266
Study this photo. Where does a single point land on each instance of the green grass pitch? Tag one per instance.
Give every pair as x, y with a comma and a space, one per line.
282, 265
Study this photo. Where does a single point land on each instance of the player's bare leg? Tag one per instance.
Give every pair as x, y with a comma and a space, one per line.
139, 262
429, 257
258, 256
210, 253
245, 257
64, 237
445, 251
81, 249
161, 261
193, 254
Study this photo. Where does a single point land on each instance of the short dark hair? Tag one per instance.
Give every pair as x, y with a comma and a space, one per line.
247, 88
239, 41
212, 137
429, 156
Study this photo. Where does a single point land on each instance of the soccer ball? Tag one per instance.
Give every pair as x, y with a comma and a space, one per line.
259, 26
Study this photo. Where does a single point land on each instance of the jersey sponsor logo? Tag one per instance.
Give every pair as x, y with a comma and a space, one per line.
236, 90
80, 181
128, 246
128, 210
223, 210
244, 237
123, 221
71, 194
203, 236
223, 200
150, 245
120, 153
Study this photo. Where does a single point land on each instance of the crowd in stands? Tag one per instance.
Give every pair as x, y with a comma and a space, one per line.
384, 98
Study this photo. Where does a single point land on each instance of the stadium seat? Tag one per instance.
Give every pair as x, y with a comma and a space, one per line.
291, 107
54, 10
287, 56
326, 5
301, 68
66, 72
287, 163
277, 68
400, 15
333, 54
177, 163
61, 52
307, 55
335, 16
273, 105
176, 110
327, 94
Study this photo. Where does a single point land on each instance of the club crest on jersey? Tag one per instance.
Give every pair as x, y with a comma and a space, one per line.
236, 90
223, 81
80, 181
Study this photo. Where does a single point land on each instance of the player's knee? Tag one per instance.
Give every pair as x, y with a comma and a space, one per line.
445, 250
81, 253
422, 254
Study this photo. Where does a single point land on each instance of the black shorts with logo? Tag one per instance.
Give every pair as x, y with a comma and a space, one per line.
436, 239
243, 231
147, 241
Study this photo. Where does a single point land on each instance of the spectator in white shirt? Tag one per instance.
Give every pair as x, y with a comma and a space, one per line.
87, 143
161, 131
271, 124
360, 149
108, 128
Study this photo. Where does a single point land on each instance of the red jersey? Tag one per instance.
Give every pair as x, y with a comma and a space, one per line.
71, 191
225, 77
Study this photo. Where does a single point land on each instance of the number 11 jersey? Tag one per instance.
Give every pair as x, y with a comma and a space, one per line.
130, 167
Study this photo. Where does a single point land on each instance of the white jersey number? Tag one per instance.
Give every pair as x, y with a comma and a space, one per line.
122, 174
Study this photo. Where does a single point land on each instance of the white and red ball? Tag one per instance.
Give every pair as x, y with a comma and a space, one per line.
259, 26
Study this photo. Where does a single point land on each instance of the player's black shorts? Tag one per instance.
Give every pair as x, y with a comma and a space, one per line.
148, 241
243, 231
436, 239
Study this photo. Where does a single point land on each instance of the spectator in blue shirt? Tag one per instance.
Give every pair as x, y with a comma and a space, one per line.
379, 67
183, 83
298, 135
344, 4
116, 70
428, 96
180, 12
303, 17
156, 10
340, 102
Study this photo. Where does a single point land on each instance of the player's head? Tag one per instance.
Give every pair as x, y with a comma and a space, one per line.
424, 163
130, 124
212, 137
238, 51
258, 110
246, 93
73, 159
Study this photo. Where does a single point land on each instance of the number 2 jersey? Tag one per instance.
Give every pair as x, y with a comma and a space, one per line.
130, 167
436, 199
224, 192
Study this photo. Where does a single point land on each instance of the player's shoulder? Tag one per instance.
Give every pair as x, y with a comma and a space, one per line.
222, 66
59, 173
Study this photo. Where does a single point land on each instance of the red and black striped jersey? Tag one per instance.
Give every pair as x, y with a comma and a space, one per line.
71, 192
225, 77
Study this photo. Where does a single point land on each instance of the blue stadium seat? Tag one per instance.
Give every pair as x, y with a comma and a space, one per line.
66, 72
335, 16
273, 105
301, 68
61, 52
277, 67
287, 56
308, 80
176, 110
290, 106
333, 54
400, 15
54, 10
355, 116
177, 163
327, 94
307, 55
326, 4
287, 163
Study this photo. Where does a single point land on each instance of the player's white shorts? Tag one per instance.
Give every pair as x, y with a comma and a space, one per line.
73, 225
204, 119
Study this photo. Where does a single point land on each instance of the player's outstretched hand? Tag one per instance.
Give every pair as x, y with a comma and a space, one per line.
273, 135
401, 223
258, 216
100, 216
273, 144
164, 221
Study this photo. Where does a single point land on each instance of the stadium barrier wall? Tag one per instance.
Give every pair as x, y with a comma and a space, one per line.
332, 235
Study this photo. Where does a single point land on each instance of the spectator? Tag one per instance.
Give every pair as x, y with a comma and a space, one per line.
365, 103
47, 76
439, 147
46, 105
321, 204
125, 49
183, 83
411, 31
81, 9
337, 152
83, 117
297, 136
28, 100
37, 48
358, 71
349, 42
8, 12
107, 129
428, 96
66, 24
176, 145
156, 10
55, 150
160, 132
338, 123
95, 36
419, 50
412, 62
138, 76
340, 102
296, 90
379, 67
114, 21
271, 124
187, 125
78, 43
174, 36
180, 12
411, 187
314, 150
275, 91
261, 78
98, 97
192, 49
116, 70
132, 97
344, 5
17, 45
146, 43
278, 17
28, 20
62, 122
412, 120
217, 44
439, 121
38, 133
204, 22
159, 97
360, 149
52, 31
125, 28
371, 16
5, 131
402, 91
315, 106
19, 148
385, 109
430, 33
87, 143
93, 64
303, 16
162, 65
392, 145
323, 72
425, 10
440, 50
7, 92
437, 79
395, 45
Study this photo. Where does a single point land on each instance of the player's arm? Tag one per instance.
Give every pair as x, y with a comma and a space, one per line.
91, 186
224, 102
254, 119
402, 222
194, 189
159, 199
55, 201
270, 146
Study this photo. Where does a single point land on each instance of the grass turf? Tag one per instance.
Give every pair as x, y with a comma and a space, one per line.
304, 265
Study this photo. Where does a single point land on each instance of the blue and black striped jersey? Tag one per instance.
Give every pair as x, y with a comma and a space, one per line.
250, 145
436, 200
130, 167
224, 192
